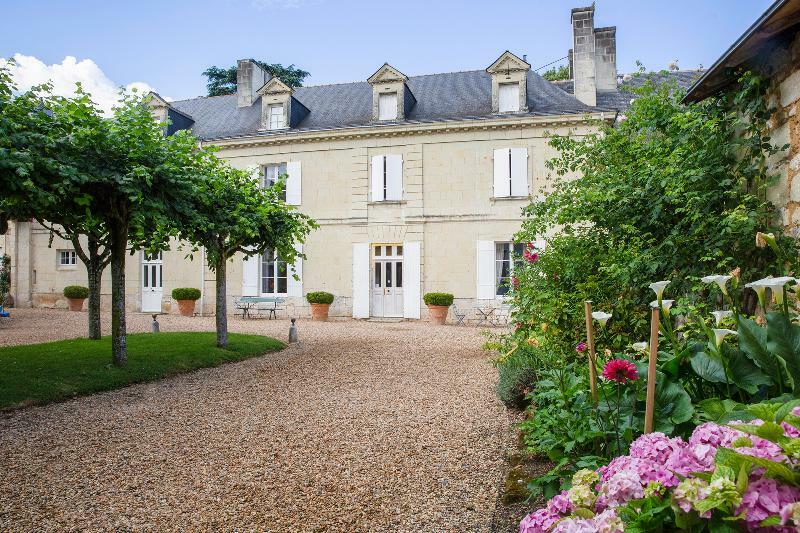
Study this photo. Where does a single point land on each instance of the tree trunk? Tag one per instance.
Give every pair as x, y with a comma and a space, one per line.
222, 304
94, 271
119, 246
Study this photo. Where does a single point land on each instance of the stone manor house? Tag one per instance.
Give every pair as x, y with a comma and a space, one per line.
417, 182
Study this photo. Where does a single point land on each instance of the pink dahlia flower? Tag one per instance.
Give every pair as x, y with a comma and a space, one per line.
581, 347
620, 370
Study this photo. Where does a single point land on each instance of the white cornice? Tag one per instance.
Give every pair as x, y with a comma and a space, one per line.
403, 130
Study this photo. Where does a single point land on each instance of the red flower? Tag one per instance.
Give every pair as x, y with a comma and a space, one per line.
514, 281
581, 347
620, 370
530, 255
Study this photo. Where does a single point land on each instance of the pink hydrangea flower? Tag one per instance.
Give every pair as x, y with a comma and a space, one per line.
575, 525
622, 487
620, 370
766, 497
714, 435
560, 503
656, 447
608, 522
540, 521
647, 470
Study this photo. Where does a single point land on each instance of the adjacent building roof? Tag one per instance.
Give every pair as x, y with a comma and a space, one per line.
777, 24
440, 97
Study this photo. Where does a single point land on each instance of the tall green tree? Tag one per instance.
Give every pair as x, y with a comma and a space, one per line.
234, 215
557, 73
223, 80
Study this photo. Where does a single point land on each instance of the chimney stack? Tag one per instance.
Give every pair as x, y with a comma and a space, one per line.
249, 78
583, 56
605, 58
571, 69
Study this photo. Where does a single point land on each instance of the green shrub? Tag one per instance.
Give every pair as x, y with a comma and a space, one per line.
186, 293
438, 298
513, 383
76, 292
319, 297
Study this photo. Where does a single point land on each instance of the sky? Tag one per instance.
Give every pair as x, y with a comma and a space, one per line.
166, 45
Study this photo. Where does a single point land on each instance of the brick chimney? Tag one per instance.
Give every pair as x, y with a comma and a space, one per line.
249, 79
583, 55
605, 58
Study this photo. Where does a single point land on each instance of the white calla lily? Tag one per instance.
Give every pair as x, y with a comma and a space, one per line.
640, 346
666, 305
774, 284
720, 334
601, 317
719, 316
658, 287
720, 280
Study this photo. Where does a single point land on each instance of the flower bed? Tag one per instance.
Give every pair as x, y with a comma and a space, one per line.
740, 472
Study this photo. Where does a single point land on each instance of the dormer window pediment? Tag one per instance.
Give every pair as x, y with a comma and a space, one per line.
509, 84
391, 97
276, 103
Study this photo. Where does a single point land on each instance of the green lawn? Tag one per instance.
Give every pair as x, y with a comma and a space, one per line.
54, 371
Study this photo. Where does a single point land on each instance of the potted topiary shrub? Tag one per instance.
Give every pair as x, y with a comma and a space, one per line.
438, 305
75, 295
186, 297
320, 304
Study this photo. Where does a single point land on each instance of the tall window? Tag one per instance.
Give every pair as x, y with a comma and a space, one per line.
271, 175
506, 254
509, 97
274, 274
387, 106
276, 118
67, 258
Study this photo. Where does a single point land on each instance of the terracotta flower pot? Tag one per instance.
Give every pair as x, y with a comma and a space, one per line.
75, 304
437, 314
186, 307
320, 312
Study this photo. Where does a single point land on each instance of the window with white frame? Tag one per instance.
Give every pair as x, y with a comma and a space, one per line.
508, 95
274, 275
510, 172
272, 174
387, 106
506, 257
276, 117
67, 258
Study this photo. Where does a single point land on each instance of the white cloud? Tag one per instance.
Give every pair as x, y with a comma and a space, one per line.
29, 71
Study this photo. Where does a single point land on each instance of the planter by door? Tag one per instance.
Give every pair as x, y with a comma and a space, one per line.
320, 312
437, 314
75, 304
186, 307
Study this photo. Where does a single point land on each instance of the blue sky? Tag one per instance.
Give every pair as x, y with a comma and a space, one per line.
168, 44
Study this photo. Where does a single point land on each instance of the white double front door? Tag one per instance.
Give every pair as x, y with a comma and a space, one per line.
387, 280
152, 283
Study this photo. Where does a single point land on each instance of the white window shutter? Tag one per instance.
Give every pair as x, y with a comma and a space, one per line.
294, 183
508, 97
502, 186
250, 276
411, 279
519, 172
360, 280
394, 177
295, 286
486, 288
377, 178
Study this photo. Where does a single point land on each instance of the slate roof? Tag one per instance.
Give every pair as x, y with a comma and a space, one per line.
440, 97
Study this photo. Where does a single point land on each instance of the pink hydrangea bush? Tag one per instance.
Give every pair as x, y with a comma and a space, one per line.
689, 476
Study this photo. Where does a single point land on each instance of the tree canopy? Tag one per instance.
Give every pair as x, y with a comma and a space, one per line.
223, 80
557, 73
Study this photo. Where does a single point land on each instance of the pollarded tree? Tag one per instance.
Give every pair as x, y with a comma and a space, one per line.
233, 214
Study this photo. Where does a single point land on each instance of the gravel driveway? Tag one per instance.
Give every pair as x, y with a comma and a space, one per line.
363, 426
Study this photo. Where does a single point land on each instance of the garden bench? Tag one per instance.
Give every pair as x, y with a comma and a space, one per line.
251, 306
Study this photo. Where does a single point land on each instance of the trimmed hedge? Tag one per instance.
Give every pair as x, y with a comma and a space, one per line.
185, 293
319, 297
76, 292
438, 298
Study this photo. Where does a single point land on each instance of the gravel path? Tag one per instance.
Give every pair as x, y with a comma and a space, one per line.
363, 426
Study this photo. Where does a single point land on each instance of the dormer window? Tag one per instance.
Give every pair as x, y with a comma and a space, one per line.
509, 84
277, 117
387, 106
391, 97
509, 98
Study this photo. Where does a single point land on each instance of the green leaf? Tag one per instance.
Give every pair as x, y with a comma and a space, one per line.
745, 374
783, 339
708, 368
753, 342
785, 409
